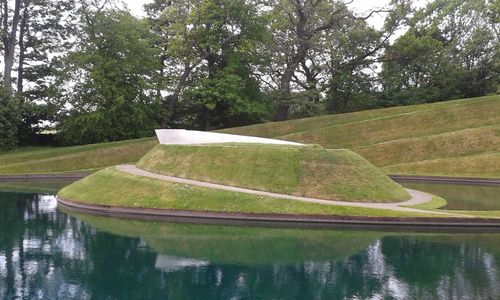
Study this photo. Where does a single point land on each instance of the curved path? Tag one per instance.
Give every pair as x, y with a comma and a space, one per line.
417, 197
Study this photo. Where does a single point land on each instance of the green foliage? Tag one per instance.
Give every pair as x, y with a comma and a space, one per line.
9, 119
229, 98
99, 74
110, 99
449, 52
222, 35
349, 86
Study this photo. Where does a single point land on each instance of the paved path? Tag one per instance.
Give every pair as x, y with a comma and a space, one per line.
417, 197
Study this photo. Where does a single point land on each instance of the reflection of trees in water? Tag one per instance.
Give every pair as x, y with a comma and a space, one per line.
49, 254
34, 244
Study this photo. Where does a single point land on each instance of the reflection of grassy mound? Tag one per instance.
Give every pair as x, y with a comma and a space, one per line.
305, 171
451, 133
241, 245
111, 187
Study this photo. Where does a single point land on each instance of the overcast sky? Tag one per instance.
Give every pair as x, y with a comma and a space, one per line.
358, 5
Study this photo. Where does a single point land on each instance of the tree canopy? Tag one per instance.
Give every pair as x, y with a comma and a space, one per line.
91, 71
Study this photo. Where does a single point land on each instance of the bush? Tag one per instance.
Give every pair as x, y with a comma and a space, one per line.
9, 119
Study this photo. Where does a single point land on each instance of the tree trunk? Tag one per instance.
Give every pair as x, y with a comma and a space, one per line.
171, 100
9, 41
207, 116
286, 78
22, 49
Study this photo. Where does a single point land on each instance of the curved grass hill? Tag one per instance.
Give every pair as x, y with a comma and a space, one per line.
309, 171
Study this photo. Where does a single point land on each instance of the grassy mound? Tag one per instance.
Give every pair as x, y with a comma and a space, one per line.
115, 188
303, 171
453, 134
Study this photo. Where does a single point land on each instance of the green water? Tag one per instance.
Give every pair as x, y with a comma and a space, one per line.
46, 253
462, 196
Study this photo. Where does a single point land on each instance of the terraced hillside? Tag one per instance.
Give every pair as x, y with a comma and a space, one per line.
454, 138
78, 158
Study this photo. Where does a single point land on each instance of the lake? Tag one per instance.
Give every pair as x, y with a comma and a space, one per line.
46, 253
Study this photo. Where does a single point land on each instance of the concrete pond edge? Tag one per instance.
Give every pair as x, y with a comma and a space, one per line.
296, 219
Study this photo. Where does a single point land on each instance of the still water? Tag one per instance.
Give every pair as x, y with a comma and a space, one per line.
463, 196
46, 253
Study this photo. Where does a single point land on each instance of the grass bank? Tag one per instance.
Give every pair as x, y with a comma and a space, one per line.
111, 187
309, 171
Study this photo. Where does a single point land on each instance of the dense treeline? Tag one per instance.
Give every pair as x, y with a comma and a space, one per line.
91, 71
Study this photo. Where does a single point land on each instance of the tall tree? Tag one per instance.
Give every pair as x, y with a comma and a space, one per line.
298, 27
107, 81
46, 32
212, 42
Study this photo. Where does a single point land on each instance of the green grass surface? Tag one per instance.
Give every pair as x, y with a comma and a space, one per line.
111, 187
480, 165
77, 158
453, 138
302, 171
435, 203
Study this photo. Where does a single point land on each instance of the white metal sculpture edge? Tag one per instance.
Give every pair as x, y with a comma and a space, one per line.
192, 137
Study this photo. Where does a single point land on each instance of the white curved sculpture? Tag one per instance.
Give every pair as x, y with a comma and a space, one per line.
191, 137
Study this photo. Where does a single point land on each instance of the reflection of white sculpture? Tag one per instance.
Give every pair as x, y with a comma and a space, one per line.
189, 137
172, 263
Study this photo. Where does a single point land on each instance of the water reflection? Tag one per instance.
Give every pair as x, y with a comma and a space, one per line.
48, 254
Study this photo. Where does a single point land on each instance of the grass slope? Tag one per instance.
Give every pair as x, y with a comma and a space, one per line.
111, 187
454, 138
77, 158
309, 171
